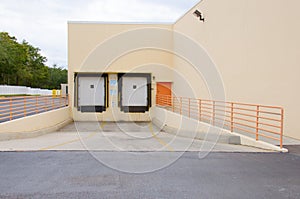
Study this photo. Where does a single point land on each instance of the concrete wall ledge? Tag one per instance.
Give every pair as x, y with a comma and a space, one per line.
185, 127
213, 136
35, 125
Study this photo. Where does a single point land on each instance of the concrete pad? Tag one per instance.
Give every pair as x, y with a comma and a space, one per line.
135, 137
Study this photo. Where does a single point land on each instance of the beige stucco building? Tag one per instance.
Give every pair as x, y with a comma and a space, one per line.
253, 44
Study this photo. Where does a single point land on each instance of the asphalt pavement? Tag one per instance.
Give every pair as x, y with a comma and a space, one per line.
53, 174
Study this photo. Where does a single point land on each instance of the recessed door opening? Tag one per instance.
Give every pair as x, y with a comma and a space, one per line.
134, 92
92, 92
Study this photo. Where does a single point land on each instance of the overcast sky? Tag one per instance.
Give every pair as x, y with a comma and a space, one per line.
43, 23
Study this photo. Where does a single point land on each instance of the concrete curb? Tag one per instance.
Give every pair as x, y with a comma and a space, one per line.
247, 141
24, 135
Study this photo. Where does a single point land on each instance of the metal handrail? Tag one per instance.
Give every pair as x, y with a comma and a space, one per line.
255, 119
16, 107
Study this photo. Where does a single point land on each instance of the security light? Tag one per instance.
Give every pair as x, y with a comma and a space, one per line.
198, 14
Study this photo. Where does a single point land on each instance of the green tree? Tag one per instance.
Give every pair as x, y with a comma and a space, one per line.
22, 64
12, 56
35, 68
57, 76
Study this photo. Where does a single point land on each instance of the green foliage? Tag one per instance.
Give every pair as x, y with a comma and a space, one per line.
57, 76
22, 64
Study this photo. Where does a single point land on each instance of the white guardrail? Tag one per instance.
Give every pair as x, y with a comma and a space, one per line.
23, 90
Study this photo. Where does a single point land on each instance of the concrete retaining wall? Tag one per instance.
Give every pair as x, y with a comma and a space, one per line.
35, 125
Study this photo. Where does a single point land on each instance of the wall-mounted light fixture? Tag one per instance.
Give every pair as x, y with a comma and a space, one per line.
198, 14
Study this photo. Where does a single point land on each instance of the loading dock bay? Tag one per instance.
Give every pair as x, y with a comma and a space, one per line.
110, 136
95, 92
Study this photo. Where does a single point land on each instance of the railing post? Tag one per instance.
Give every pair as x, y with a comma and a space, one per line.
257, 123
180, 105
36, 104
46, 103
281, 128
199, 109
173, 103
24, 106
231, 117
189, 108
10, 109
214, 113
67, 100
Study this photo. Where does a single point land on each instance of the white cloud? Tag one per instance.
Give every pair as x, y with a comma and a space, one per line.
43, 23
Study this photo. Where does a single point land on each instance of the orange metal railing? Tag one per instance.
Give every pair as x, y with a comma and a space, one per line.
17, 107
257, 120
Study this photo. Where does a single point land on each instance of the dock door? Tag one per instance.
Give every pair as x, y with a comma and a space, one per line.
92, 92
134, 92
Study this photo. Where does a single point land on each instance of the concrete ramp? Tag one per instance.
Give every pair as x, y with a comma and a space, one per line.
183, 126
214, 134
